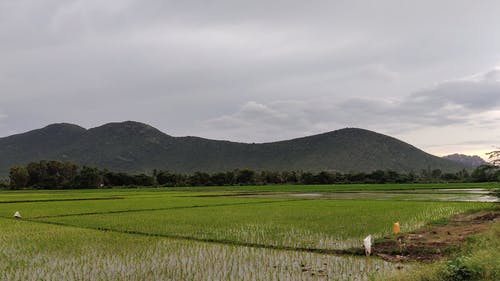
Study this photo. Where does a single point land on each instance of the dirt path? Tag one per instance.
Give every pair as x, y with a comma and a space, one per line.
434, 241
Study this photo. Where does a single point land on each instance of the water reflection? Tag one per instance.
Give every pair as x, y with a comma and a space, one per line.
457, 195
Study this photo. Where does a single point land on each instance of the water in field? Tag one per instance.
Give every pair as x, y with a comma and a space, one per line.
451, 195
164, 235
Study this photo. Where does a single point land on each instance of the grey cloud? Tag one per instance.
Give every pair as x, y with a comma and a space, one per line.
467, 95
255, 121
492, 76
452, 102
473, 142
191, 67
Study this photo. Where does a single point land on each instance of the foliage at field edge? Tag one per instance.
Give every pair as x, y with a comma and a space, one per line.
61, 175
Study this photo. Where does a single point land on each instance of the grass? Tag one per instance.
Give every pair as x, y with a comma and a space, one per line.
262, 188
319, 224
125, 203
33, 251
201, 233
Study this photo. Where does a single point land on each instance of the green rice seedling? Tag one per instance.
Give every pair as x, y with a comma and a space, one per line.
316, 224
33, 251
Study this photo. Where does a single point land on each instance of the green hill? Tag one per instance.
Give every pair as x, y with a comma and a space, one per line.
136, 147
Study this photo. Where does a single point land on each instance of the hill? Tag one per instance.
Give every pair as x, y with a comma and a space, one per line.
136, 147
467, 160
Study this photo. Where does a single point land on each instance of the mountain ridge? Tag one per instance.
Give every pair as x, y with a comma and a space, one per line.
471, 161
137, 147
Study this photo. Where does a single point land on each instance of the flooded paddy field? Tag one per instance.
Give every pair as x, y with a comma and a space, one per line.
208, 234
450, 195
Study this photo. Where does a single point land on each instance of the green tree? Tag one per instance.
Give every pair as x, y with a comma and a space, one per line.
245, 177
37, 173
484, 173
143, 180
199, 179
436, 173
89, 178
220, 178
67, 174
323, 178
166, 178
19, 177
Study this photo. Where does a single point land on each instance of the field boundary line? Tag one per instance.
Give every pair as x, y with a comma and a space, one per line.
337, 252
62, 200
166, 208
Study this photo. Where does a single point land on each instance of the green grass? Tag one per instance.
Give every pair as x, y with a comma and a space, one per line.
6, 194
324, 224
33, 251
127, 203
201, 233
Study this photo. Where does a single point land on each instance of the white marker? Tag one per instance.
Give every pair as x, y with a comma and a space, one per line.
367, 242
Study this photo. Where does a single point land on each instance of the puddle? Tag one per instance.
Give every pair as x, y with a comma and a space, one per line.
455, 195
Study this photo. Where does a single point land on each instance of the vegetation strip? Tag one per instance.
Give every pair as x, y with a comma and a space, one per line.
337, 252
166, 209
57, 200
430, 243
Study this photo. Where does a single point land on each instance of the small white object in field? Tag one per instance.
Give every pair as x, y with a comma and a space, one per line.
367, 242
17, 215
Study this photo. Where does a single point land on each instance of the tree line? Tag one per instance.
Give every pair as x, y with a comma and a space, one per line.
66, 175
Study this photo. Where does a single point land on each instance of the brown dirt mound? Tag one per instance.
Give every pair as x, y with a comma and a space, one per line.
434, 241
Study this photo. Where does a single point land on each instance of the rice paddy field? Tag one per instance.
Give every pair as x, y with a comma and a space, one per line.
215, 233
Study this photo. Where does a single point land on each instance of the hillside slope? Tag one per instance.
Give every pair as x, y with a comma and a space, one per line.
466, 160
136, 147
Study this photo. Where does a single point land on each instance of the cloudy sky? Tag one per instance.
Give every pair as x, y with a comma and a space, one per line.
427, 72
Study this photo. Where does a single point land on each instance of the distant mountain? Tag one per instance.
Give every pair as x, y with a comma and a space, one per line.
136, 147
466, 160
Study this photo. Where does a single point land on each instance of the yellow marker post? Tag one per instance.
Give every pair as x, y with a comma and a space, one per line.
395, 228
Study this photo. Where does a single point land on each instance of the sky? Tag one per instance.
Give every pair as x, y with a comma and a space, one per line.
426, 72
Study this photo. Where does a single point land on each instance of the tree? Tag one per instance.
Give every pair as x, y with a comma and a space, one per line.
199, 179
436, 173
19, 177
494, 157
166, 178
377, 176
68, 172
245, 177
4, 184
220, 178
37, 173
484, 173
324, 178
89, 178
143, 180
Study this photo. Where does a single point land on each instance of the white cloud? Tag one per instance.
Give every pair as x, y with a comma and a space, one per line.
462, 102
378, 71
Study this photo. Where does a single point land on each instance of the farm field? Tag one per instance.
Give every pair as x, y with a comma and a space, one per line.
249, 233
